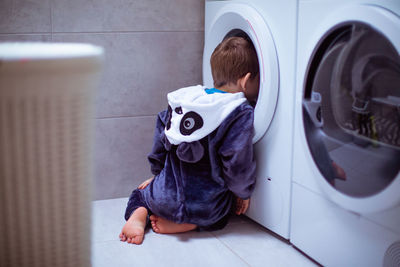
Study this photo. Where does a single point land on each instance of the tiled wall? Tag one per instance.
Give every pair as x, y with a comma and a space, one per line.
152, 47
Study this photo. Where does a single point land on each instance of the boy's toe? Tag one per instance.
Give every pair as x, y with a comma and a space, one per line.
137, 240
155, 228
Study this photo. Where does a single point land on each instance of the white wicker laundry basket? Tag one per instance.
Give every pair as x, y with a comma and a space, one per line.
46, 123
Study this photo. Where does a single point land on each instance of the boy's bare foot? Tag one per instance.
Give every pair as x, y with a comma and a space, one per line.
163, 226
133, 230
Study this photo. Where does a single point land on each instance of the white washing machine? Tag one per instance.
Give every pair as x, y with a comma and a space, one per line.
346, 155
271, 26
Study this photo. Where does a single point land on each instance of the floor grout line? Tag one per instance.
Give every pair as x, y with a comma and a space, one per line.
104, 242
230, 249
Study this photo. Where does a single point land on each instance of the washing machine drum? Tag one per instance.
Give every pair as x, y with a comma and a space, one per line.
352, 109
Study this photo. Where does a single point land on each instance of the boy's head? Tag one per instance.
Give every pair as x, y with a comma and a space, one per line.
232, 60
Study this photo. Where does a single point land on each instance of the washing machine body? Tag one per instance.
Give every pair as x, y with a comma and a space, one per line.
271, 26
346, 153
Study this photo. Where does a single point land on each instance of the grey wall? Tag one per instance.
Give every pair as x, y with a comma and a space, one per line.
152, 47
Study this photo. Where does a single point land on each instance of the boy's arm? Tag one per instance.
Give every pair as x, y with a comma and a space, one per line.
145, 183
242, 205
237, 156
158, 152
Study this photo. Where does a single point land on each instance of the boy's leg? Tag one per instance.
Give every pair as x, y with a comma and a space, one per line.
133, 230
136, 219
164, 226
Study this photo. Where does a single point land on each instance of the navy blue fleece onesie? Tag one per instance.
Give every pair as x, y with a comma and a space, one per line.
201, 158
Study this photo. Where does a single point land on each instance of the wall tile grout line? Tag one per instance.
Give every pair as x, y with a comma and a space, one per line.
51, 19
134, 31
126, 117
94, 32
25, 33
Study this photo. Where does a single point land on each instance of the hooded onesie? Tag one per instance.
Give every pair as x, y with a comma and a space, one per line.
201, 158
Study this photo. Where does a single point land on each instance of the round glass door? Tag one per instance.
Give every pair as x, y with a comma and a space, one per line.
242, 20
351, 109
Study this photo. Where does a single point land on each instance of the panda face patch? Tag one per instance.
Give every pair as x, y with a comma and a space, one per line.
189, 123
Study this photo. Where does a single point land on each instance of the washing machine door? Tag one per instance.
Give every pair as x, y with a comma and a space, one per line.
351, 108
237, 19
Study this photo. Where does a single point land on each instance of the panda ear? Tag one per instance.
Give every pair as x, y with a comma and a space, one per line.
190, 152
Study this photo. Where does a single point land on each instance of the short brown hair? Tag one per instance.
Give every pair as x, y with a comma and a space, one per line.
233, 58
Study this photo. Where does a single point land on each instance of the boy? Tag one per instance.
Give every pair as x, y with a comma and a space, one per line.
202, 156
